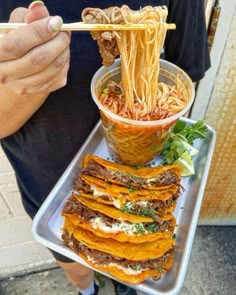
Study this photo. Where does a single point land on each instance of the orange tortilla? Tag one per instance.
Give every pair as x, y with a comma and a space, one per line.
116, 214
130, 251
114, 269
120, 194
145, 172
134, 279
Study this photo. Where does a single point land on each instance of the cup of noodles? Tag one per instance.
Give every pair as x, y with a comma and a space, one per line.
137, 142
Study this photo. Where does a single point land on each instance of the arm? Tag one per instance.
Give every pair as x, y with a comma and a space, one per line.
34, 61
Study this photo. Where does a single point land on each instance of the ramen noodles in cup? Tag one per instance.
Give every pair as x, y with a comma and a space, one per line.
135, 142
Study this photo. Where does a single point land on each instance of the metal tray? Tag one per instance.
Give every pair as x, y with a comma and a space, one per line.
46, 227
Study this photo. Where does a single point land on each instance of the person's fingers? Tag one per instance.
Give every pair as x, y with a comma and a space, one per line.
53, 82
51, 79
36, 10
18, 15
18, 42
36, 59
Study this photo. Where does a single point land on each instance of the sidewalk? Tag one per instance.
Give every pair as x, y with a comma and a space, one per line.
211, 270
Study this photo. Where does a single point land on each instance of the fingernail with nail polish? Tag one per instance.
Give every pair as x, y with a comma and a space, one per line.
55, 23
35, 3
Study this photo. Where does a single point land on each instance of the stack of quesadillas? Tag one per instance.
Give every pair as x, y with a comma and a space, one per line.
119, 219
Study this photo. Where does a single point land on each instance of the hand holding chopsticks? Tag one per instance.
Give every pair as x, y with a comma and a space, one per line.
81, 26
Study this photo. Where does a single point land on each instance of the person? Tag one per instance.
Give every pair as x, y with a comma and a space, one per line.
46, 110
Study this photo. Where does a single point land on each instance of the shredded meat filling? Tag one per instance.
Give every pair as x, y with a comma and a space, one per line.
95, 169
103, 258
157, 205
106, 39
72, 206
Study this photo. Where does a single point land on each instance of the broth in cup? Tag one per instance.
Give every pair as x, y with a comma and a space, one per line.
135, 142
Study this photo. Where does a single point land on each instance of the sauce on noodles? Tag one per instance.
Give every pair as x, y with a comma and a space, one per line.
139, 96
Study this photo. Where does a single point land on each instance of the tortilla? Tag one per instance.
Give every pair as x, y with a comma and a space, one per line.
109, 222
146, 177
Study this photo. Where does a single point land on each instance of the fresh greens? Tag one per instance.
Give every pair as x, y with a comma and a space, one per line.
152, 227
159, 269
136, 266
147, 210
181, 138
130, 207
139, 228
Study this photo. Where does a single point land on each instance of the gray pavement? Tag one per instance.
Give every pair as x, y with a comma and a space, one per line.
211, 271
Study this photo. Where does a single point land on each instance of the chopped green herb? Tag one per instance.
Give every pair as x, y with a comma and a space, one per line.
174, 236
138, 228
152, 227
130, 207
159, 269
136, 266
148, 211
131, 189
175, 147
117, 91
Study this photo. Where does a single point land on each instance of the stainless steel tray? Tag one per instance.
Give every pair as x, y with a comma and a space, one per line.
48, 221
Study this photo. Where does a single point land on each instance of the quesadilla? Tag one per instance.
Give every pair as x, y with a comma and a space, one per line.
126, 261
143, 202
146, 177
109, 222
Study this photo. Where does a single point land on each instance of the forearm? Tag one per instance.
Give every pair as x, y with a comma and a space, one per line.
15, 110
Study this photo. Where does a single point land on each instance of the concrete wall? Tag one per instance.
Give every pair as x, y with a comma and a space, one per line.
216, 101
18, 251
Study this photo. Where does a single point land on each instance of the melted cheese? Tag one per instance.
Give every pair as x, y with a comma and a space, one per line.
116, 203
143, 203
127, 270
129, 228
150, 180
96, 192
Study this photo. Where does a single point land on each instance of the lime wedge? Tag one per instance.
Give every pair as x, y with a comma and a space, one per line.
185, 163
189, 148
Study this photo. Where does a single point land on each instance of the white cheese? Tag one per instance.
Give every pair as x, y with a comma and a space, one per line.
116, 203
150, 180
129, 228
90, 258
143, 203
127, 270
96, 192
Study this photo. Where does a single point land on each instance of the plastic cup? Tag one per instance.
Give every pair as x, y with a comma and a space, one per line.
134, 142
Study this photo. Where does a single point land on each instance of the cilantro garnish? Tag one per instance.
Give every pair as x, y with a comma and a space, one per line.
152, 227
136, 266
174, 148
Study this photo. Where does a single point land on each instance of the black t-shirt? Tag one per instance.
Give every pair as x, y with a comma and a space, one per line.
41, 150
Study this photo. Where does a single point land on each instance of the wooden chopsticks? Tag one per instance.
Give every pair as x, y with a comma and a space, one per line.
81, 26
